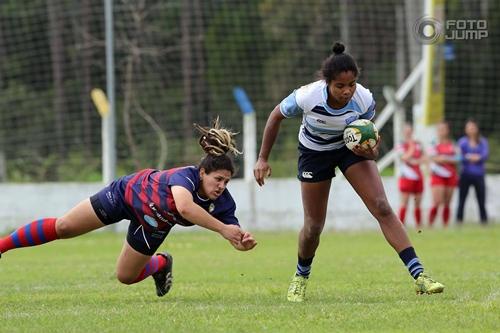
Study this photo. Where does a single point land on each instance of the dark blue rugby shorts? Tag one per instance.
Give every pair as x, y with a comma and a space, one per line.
110, 207
316, 166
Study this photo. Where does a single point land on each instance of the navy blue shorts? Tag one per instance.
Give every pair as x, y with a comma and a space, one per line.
316, 166
110, 207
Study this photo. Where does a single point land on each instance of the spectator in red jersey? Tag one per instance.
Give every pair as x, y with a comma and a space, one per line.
411, 182
154, 201
444, 179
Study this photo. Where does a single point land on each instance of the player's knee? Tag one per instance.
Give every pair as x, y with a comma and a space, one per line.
313, 230
381, 208
125, 277
63, 228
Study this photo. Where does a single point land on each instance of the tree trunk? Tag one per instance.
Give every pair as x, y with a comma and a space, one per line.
187, 75
201, 88
56, 27
86, 56
127, 105
2, 56
3, 164
413, 11
344, 22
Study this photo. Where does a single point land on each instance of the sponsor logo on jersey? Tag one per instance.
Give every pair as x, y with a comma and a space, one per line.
211, 208
307, 174
151, 221
350, 119
159, 216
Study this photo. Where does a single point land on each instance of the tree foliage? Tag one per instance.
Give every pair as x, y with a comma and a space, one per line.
177, 63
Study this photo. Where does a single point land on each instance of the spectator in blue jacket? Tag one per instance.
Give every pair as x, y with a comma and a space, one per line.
474, 151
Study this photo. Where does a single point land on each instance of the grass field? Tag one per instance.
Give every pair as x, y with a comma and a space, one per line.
358, 284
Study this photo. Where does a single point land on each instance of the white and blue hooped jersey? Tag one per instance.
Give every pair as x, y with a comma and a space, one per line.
322, 126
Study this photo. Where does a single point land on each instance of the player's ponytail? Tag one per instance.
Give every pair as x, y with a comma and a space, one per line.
217, 142
337, 63
338, 48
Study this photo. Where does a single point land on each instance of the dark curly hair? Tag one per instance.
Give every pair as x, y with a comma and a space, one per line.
337, 63
217, 142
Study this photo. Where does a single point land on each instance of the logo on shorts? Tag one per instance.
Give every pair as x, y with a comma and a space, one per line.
151, 221
158, 234
307, 174
110, 197
103, 213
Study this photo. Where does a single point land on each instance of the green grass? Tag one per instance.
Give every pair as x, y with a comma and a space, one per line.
358, 284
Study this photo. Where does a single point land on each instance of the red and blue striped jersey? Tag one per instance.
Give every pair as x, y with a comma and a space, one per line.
148, 197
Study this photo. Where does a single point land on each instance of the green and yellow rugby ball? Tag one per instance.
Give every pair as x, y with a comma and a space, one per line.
360, 132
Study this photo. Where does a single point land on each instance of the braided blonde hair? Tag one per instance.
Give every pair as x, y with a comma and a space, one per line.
216, 140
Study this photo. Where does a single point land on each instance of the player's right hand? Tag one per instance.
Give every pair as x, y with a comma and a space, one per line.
232, 233
247, 242
367, 151
261, 171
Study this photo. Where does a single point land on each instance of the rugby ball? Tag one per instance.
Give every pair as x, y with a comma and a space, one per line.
360, 132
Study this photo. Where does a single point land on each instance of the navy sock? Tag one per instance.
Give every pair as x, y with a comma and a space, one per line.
410, 259
304, 266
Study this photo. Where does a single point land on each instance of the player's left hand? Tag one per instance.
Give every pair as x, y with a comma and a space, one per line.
366, 151
247, 242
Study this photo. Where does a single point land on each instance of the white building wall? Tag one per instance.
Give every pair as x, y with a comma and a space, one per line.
278, 203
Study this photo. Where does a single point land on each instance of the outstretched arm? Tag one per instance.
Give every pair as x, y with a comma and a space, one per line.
189, 210
262, 168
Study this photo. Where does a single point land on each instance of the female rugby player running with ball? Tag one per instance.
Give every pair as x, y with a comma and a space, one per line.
326, 107
154, 201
